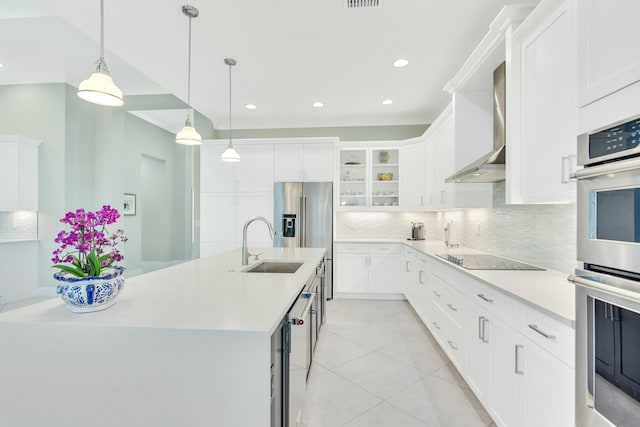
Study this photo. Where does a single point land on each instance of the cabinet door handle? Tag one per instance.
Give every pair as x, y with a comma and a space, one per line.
436, 325
565, 170
420, 273
452, 345
452, 307
484, 298
544, 334
407, 267
442, 196
480, 333
484, 330
518, 371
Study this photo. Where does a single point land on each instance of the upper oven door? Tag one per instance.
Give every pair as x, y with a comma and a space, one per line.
609, 215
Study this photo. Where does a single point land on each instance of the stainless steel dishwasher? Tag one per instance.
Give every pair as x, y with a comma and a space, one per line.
298, 345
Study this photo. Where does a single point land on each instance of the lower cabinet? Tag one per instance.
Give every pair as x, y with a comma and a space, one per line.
367, 269
517, 360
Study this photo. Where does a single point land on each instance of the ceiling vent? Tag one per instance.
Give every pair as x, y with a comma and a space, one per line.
358, 4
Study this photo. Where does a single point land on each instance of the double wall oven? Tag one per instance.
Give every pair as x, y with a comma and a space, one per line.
608, 285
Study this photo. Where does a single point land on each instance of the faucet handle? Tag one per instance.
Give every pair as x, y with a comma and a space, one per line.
255, 256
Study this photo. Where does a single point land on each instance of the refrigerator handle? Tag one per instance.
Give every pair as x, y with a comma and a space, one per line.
304, 223
301, 223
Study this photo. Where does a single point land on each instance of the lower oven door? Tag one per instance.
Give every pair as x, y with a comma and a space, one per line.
609, 215
607, 350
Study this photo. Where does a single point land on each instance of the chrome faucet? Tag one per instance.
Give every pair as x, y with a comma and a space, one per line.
245, 253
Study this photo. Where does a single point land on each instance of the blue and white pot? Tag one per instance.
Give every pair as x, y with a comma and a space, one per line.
87, 294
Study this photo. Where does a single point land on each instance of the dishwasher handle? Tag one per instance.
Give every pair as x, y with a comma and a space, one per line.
297, 316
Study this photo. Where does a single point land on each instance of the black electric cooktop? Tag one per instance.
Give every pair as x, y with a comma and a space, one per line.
486, 262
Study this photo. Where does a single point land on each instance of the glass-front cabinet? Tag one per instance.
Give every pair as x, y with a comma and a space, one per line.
369, 178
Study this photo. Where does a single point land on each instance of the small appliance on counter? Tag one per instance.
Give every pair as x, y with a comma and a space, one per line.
418, 231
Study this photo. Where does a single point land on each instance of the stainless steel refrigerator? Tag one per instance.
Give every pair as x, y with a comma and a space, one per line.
303, 217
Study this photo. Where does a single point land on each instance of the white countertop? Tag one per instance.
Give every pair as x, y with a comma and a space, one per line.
209, 293
547, 290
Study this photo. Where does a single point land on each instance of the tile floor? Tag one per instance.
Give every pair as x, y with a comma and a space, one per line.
376, 365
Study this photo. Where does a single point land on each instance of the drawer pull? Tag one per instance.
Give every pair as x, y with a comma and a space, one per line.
484, 298
420, 273
436, 325
518, 371
484, 330
452, 345
544, 334
452, 307
437, 294
407, 267
480, 321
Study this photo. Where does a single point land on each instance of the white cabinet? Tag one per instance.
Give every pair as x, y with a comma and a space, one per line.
18, 173
231, 193
516, 359
369, 178
608, 55
444, 153
303, 162
478, 345
542, 122
413, 173
367, 269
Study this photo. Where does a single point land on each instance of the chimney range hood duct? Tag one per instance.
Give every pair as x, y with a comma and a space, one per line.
490, 167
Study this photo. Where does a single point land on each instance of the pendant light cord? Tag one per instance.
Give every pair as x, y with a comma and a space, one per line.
101, 65
189, 77
230, 130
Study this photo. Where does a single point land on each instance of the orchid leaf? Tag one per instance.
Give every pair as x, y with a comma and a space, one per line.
95, 263
71, 270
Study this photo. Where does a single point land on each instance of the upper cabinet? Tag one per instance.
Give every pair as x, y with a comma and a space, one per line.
541, 106
308, 161
608, 62
413, 172
18, 173
369, 177
609, 58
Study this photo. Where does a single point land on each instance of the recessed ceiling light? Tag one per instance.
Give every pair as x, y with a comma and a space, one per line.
250, 107
399, 63
318, 104
387, 101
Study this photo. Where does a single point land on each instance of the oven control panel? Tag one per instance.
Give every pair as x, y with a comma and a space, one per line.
617, 139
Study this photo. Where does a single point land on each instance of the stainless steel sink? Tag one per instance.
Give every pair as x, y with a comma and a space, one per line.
275, 267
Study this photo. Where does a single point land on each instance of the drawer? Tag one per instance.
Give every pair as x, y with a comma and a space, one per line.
550, 334
450, 275
351, 248
384, 249
450, 337
450, 300
494, 301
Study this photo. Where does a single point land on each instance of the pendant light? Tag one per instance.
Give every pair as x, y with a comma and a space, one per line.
188, 134
230, 154
99, 87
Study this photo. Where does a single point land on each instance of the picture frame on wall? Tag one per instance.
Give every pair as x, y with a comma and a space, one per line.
129, 204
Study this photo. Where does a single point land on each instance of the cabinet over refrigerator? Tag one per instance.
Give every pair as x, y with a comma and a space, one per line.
303, 217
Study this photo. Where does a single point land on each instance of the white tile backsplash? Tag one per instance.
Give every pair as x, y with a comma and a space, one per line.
543, 235
22, 225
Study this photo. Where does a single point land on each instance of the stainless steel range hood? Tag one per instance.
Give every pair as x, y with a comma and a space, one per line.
490, 167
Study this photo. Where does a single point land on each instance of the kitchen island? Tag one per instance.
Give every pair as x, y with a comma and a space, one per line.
188, 345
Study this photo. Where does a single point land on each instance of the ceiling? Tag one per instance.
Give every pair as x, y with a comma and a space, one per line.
290, 54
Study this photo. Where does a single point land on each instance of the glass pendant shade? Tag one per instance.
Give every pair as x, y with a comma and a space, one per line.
230, 154
100, 89
188, 135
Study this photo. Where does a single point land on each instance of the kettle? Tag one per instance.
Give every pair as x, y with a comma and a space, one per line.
418, 231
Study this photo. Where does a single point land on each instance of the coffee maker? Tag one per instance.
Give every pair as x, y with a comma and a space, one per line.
418, 231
